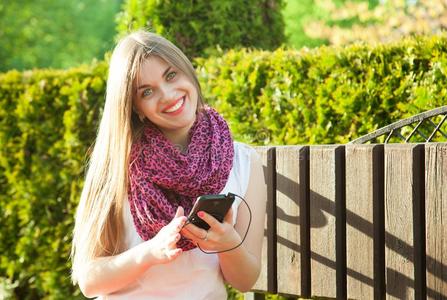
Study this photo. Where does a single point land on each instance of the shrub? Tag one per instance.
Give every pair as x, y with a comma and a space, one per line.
47, 122
197, 26
325, 95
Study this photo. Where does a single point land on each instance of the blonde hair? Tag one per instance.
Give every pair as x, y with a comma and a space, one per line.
99, 226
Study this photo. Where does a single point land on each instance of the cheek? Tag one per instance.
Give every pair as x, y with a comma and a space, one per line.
193, 92
136, 107
146, 107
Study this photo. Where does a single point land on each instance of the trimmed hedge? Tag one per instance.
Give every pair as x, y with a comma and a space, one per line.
327, 95
198, 26
48, 120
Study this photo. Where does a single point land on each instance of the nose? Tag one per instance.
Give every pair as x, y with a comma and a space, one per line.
167, 93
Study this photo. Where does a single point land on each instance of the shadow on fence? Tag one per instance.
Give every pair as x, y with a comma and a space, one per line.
318, 240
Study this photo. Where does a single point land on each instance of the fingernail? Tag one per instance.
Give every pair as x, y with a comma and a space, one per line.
201, 214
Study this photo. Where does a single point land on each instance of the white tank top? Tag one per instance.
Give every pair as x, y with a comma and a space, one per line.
194, 274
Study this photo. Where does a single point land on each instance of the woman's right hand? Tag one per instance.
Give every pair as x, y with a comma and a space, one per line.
163, 246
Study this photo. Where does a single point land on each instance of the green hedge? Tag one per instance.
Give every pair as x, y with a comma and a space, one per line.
48, 120
198, 26
327, 95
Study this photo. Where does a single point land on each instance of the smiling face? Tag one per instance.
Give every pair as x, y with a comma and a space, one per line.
167, 97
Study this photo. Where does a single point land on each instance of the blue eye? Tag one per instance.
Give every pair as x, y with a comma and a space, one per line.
171, 75
147, 92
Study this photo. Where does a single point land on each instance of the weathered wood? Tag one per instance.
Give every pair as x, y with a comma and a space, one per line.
403, 192
292, 198
364, 219
391, 213
267, 280
436, 219
326, 201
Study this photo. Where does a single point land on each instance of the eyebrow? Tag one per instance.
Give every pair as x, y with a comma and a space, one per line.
147, 85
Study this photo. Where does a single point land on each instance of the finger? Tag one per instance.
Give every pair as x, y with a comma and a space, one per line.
187, 234
180, 224
174, 240
209, 219
180, 212
179, 219
176, 224
195, 230
191, 236
229, 216
171, 254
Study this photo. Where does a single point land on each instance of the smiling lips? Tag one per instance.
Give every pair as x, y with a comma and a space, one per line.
176, 107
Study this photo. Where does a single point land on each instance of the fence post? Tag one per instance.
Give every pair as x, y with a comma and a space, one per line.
292, 220
436, 219
365, 222
404, 199
327, 220
267, 281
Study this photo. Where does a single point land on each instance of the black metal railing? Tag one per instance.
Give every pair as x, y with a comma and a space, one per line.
426, 127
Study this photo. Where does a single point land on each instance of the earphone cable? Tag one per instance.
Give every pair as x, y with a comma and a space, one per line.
245, 235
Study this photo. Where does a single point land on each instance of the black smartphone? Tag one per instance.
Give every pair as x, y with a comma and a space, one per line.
215, 205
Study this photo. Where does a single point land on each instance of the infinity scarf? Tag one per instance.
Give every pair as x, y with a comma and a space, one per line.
161, 178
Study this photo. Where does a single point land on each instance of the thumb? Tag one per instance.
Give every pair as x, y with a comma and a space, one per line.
180, 212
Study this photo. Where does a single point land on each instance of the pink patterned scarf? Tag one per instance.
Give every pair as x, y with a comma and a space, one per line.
162, 178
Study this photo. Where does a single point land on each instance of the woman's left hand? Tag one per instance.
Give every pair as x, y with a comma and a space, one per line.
219, 237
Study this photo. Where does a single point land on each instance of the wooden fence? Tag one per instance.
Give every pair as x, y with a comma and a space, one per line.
355, 221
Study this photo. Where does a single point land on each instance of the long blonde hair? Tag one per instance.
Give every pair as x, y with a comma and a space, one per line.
99, 226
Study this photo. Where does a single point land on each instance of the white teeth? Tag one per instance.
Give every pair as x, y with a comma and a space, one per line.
177, 106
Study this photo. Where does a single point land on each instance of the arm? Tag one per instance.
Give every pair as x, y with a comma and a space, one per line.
241, 266
106, 275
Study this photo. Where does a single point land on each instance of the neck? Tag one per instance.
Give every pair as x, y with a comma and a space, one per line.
179, 139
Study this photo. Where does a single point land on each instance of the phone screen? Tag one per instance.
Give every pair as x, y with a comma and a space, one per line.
215, 205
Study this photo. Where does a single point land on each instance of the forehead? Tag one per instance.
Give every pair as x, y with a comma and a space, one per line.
152, 69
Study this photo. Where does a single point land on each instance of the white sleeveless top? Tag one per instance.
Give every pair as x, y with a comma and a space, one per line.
194, 274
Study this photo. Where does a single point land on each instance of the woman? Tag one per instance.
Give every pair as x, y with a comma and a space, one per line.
158, 148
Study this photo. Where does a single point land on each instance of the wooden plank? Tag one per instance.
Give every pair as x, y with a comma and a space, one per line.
326, 200
404, 180
292, 192
365, 222
436, 219
267, 279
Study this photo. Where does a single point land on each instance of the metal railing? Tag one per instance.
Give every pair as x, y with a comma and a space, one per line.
424, 127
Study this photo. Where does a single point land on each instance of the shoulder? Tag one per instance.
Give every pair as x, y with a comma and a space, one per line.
253, 159
242, 168
247, 161
248, 154
241, 149
256, 192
